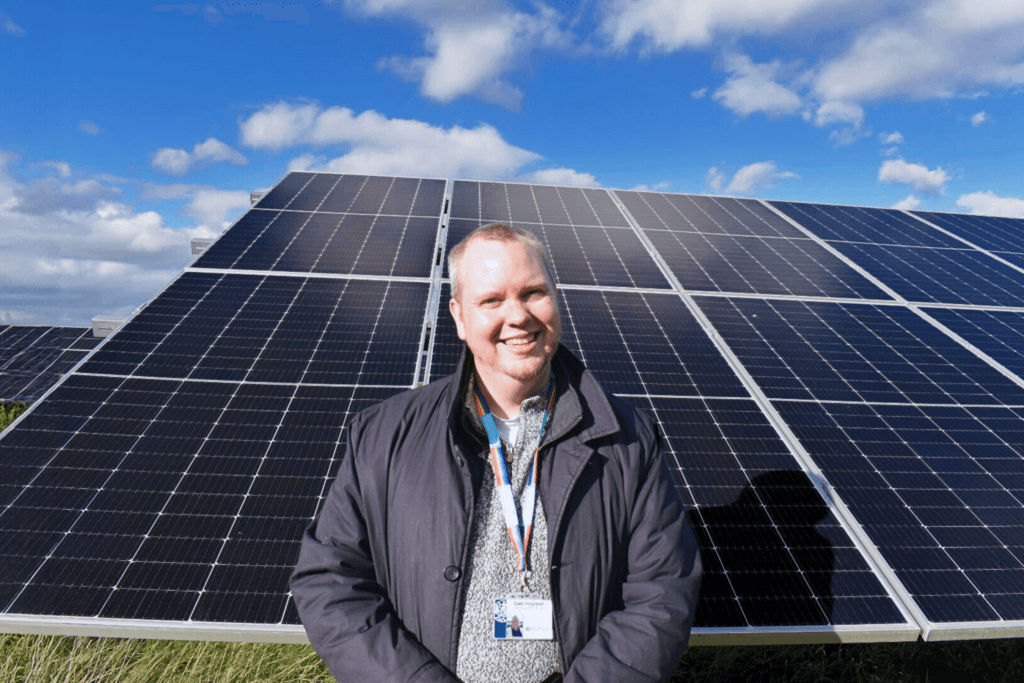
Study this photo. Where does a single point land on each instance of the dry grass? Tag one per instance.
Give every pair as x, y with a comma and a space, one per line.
38, 659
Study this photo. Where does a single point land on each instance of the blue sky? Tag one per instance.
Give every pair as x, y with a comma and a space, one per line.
127, 129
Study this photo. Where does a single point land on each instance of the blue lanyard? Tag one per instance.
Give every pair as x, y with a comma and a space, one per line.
518, 530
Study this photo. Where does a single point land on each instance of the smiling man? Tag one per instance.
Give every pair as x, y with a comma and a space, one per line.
515, 488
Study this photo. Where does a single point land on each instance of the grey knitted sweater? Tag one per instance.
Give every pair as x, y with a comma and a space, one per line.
490, 572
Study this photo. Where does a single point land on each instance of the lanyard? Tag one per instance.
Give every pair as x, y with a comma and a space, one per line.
518, 531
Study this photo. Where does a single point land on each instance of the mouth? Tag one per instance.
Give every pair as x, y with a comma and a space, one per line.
521, 341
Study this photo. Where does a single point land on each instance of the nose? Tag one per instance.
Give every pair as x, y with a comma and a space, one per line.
517, 311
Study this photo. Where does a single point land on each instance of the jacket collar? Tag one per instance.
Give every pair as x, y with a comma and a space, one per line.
580, 402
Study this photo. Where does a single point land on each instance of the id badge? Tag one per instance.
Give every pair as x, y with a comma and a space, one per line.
525, 618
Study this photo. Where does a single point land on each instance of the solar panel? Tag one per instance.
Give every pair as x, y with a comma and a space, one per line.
738, 245
988, 232
775, 556
587, 239
917, 436
853, 470
32, 359
166, 482
916, 260
998, 333
343, 224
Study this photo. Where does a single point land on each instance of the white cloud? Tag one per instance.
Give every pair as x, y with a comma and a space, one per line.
752, 88
88, 127
990, 204
178, 161
907, 203
893, 138
699, 94
939, 48
73, 249
62, 168
749, 180
890, 151
833, 112
715, 180
669, 25
9, 26
979, 118
471, 46
753, 178
663, 186
561, 176
211, 208
377, 144
919, 177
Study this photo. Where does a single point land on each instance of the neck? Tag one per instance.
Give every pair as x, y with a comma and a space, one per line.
505, 398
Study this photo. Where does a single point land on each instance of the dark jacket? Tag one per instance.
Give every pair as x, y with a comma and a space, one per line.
378, 579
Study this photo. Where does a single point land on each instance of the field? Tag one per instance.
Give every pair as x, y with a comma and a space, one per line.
38, 659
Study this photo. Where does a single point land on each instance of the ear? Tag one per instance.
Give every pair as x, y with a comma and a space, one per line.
456, 310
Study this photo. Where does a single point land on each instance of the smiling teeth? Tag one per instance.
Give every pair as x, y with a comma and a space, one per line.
519, 341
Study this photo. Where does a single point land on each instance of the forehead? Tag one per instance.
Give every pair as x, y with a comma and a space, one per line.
490, 261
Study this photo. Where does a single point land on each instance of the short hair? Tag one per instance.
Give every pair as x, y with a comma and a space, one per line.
497, 232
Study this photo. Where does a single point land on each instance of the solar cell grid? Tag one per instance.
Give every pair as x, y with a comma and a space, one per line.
988, 232
612, 257
637, 343
952, 276
1000, 334
853, 352
938, 489
731, 245
272, 329
156, 525
503, 202
707, 215
773, 552
867, 225
379, 237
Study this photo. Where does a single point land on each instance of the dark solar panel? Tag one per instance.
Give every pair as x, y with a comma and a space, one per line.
917, 261
914, 433
774, 554
170, 477
867, 225
853, 352
369, 229
504, 202
612, 257
1000, 334
733, 245
988, 232
938, 489
168, 500
261, 328
32, 359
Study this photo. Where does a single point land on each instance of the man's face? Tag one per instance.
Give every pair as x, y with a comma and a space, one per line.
507, 314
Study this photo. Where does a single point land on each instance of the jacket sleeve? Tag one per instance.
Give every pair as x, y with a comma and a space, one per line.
346, 613
644, 640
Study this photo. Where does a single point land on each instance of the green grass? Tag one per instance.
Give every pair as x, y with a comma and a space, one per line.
35, 659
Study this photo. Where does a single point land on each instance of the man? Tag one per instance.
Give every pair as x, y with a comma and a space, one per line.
517, 483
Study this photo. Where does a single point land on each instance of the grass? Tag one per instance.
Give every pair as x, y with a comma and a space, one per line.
35, 659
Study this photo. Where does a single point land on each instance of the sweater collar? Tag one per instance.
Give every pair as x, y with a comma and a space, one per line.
580, 402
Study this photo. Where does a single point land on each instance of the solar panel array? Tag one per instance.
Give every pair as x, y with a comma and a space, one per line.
32, 358
839, 388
